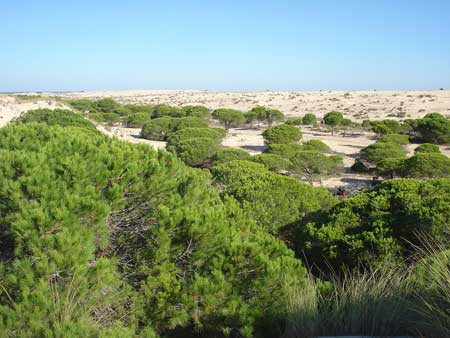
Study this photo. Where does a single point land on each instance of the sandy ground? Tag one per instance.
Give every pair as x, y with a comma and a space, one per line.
357, 105
10, 108
130, 135
347, 146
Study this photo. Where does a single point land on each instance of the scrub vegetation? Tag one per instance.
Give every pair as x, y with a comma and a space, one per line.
104, 238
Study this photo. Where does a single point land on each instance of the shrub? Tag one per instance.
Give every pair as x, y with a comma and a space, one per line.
200, 112
273, 115
110, 118
282, 134
103, 238
294, 122
391, 167
61, 117
228, 117
427, 148
378, 226
163, 110
314, 165
216, 134
82, 105
333, 119
273, 200
230, 154
106, 105
273, 162
286, 150
122, 111
158, 129
250, 117
379, 151
137, 120
309, 119
347, 123
386, 126
434, 128
139, 108
194, 151
381, 129
427, 165
316, 145
195, 145
395, 138
189, 122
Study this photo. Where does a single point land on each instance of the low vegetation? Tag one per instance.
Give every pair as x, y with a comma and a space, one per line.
103, 238
283, 133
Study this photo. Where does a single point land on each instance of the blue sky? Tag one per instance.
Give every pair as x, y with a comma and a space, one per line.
231, 45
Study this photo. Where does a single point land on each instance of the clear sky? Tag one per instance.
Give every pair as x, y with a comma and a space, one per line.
236, 45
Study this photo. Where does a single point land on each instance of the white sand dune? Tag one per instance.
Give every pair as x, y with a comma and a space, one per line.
357, 105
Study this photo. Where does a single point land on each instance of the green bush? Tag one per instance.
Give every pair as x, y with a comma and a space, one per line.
273, 200
139, 108
214, 133
333, 119
434, 128
163, 110
160, 128
195, 145
391, 167
294, 122
137, 120
427, 148
427, 165
286, 150
106, 105
194, 151
197, 111
309, 119
250, 117
110, 118
229, 117
61, 117
379, 226
230, 154
316, 145
313, 165
273, 162
273, 115
283, 133
189, 122
395, 138
379, 151
260, 114
103, 238
386, 126
82, 105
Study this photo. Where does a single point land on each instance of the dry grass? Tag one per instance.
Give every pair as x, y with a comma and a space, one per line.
371, 302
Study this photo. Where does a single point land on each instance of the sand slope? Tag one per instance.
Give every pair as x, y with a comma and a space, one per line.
357, 105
